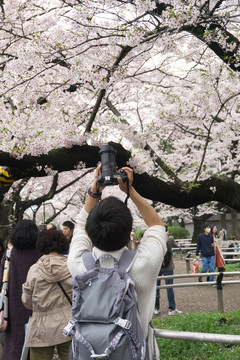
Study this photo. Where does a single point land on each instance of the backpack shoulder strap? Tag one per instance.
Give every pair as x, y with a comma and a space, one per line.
125, 262
127, 259
88, 260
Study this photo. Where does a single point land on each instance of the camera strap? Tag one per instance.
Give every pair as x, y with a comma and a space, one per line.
126, 200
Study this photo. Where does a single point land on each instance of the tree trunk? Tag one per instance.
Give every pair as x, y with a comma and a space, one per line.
223, 220
234, 223
198, 223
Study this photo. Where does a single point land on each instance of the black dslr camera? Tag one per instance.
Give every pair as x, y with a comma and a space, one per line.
108, 174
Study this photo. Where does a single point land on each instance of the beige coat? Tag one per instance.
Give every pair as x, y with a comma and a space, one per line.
42, 294
217, 244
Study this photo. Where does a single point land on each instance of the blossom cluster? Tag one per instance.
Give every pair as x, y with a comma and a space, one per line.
163, 88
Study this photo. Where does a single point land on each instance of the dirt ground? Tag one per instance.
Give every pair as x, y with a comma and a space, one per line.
199, 298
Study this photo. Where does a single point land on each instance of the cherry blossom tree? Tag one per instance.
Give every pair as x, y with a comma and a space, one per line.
43, 199
52, 199
157, 79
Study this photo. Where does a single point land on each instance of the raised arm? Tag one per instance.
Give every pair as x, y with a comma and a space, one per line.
146, 210
95, 191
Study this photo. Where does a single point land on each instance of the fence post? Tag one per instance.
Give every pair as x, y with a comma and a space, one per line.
220, 292
187, 259
180, 253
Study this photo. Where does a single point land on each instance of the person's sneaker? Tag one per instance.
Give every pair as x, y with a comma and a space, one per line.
174, 312
156, 312
213, 285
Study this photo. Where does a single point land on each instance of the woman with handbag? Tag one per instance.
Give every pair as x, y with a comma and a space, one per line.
219, 259
23, 255
48, 292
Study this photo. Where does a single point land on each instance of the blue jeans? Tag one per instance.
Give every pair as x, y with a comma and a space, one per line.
208, 264
170, 292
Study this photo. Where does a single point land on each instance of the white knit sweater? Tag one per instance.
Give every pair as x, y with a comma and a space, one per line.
144, 270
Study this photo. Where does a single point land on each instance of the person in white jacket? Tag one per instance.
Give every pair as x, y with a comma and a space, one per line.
104, 227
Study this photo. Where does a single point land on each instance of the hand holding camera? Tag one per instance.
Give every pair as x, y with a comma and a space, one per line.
125, 186
106, 173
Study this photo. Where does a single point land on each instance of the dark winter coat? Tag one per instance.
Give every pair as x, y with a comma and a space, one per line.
205, 245
20, 262
171, 243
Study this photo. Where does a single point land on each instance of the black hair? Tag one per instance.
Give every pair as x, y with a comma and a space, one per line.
206, 225
69, 224
52, 240
109, 224
24, 235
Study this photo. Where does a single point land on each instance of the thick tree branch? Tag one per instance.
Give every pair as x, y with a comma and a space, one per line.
185, 195
49, 195
163, 166
221, 189
125, 50
231, 58
62, 159
97, 105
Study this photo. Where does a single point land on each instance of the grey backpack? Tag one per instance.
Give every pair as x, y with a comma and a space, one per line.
106, 323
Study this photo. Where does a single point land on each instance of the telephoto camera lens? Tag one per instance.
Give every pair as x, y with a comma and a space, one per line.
108, 170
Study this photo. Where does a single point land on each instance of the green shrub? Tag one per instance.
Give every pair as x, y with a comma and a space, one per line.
139, 233
178, 232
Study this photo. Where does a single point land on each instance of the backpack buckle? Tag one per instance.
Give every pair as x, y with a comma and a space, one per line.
67, 331
123, 323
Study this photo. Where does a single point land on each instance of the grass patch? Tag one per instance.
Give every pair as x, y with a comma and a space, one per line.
217, 323
228, 267
233, 267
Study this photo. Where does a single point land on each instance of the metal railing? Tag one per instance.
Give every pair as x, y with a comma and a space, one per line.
218, 283
197, 336
191, 256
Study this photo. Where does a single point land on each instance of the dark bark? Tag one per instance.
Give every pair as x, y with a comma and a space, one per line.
182, 195
231, 58
223, 220
22, 206
198, 223
234, 223
62, 159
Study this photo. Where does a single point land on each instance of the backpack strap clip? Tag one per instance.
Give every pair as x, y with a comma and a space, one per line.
90, 262
123, 323
69, 329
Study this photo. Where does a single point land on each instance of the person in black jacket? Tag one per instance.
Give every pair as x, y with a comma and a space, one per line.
205, 245
68, 228
167, 269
